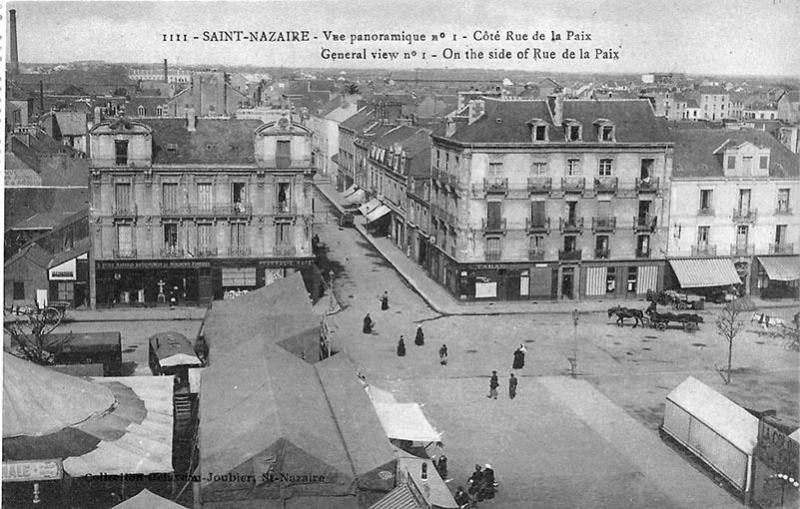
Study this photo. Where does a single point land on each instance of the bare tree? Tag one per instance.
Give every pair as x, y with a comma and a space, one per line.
29, 330
729, 325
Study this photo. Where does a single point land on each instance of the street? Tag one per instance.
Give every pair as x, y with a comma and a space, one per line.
541, 449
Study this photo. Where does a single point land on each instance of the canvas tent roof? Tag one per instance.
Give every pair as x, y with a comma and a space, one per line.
173, 349
436, 492
725, 417
146, 499
402, 421
38, 401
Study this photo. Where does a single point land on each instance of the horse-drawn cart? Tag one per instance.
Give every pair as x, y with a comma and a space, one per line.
681, 301
689, 321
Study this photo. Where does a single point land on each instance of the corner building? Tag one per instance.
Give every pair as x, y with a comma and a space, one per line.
191, 208
550, 199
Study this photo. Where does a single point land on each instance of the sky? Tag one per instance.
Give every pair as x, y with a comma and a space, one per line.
722, 37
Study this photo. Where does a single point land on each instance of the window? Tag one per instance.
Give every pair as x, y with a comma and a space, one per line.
763, 162
573, 132
632, 276
438, 156
705, 200
538, 215
744, 201
702, 237
204, 242
283, 234
447, 161
204, 197
283, 154
606, 133
572, 210
124, 240
496, 169
239, 196
539, 169
19, 290
605, 167
573, 167
780, 234
540, 133
121, 152
570, 243
601, 246
238, 237
731, 162
643, 246
747, 162
159, 111
170, 237
783, 200
122, 198
537, 242
494, 214
66, 291
284, 195
172, 148
141, 110
169, 197
646, 170
493, 246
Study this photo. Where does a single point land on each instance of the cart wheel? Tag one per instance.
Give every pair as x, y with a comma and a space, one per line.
681, 305
661, 326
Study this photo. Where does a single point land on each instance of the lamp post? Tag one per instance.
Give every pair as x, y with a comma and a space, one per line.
573, 361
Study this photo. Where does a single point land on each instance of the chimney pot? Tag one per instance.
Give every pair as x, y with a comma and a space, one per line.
12, 14
191, 124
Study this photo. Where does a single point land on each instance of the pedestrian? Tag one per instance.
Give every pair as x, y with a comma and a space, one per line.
519, 357
401, 347
443, 355
493, 385
385, 301
461, 497
368, 324
488, 483
475, 480
420, 339
441, 466
512, 386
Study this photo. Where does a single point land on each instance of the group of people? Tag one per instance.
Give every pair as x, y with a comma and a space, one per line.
494, 383
481, 486
419, 340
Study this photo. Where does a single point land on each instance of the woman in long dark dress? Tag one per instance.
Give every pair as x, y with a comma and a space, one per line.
385, 301
368, 324
420, 339
519, 358
401, 347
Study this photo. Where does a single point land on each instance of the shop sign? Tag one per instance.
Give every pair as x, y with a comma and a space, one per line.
776, 449
38, 470
498, 266
64, 272
172, 264
294, 262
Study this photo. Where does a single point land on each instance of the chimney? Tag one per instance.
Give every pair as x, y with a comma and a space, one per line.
476, 110
41, 96
191, 120
556, 105
13, 35
451, 127
166, 74
96, 118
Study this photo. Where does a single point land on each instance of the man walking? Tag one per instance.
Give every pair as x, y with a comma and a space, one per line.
443, 355
512, 386
493, 385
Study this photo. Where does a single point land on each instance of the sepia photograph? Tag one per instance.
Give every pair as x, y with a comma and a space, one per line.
330, 254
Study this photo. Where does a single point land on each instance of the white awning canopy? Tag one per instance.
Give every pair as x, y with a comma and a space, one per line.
180, 359
705, 272
377, 213
401, 421
369, 206
356, 197
350, 190
781, 268
726, 418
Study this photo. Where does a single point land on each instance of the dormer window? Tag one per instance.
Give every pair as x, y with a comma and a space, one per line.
763, 162
538, 129
731, 162
605, 130
572, 130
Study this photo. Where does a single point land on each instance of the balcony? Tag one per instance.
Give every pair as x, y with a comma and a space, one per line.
643, 253
704, 250
239, 251
707, 211
742, 249
605, 185
783, 211
495, 185
649, 185
645, 223
536, 254
172, 252
575, 225
493, 256
284, 250
206, 252
537, 185
539, 225
781, 248
602, 254
124, 253
744, 216
284, 210
493, 226
569, 254
604, 224
573, 184
124, 211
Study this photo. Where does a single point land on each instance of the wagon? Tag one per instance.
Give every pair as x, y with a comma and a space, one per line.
689, 321
681, 301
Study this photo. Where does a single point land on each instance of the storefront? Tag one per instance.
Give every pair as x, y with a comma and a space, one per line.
621, 280
776, 483
68, 278
704, 276
777, 277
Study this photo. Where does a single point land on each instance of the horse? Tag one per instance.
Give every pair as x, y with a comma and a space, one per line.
623, 313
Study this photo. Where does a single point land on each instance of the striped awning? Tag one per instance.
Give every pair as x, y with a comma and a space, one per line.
377, 213
781, 268
705, 272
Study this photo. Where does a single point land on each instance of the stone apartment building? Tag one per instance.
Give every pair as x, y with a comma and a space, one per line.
733, 206
714, 102
191, 208
550, 199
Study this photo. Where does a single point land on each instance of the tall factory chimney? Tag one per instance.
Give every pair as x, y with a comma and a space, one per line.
166, 75
13, 35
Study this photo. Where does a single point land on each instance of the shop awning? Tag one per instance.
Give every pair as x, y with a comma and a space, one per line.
357, 197
699, 273
350, 190
781, 268
377, 213
369, 206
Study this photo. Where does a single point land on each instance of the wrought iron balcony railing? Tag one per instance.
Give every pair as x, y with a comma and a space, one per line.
206, 252
172, 252
704, 250
124, 253
495, 185
540, 184
124, 210
743, 249
239, 251
574, 225
648, 185
783, 248
745, 216
284, 250
604, 224
605, 184
783, 211
573, 184
602, 254
537, 225
643, 253
284, 210
646, 222
570, 254
493, 256
705, 211
493, 226
536, 254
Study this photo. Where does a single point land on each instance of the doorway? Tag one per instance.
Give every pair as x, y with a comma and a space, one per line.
568, 283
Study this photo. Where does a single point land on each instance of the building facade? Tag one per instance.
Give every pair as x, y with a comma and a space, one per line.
714, 102
188, 209
734, 197
550, 199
